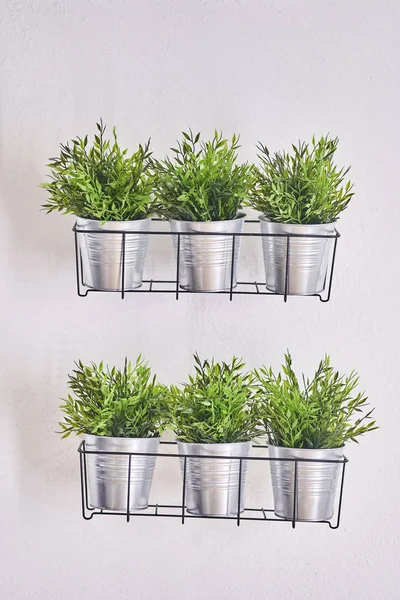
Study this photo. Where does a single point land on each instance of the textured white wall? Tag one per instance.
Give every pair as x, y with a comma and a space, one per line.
274, 71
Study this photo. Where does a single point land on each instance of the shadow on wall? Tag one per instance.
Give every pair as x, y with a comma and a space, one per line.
38, 253
40, 244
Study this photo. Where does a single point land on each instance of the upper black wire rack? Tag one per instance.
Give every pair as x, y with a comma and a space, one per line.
284, 257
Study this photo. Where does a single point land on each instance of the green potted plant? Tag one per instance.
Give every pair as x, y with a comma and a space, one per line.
302, 194
201, 191
106, 190
311, 422
117, 411
212, 416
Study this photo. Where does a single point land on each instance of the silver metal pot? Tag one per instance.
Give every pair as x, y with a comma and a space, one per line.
212, 484
108, 474
308, 257
316, 482
206, 260
102, 253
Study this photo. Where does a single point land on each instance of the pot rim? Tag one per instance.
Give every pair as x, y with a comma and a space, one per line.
219, 444
103, 223
240, 216
110, 437
306, 449
262, 217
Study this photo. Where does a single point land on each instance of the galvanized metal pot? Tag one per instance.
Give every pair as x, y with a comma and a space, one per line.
107, 474
102, 253
316, 483
206, 260
308, 257
212, 485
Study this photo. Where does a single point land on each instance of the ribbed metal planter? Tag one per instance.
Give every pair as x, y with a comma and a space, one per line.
108, 475
316, 483
102, 254
212, 485
206, 260
308, 257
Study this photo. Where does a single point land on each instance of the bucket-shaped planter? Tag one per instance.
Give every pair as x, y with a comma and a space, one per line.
108, 474
205, 263
308, 257
212, 484
103, 255
316, 482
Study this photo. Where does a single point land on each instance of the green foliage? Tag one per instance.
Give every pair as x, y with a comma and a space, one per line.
202, 182
101, 182
215, 406
115, 403
326, 413
304, 187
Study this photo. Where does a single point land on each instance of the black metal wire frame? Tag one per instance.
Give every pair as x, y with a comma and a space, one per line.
165, 510
251, 287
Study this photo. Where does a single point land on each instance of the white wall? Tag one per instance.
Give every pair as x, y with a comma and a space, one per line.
275, 71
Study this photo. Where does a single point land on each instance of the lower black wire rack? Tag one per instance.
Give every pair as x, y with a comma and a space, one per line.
115, 264
123, 465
